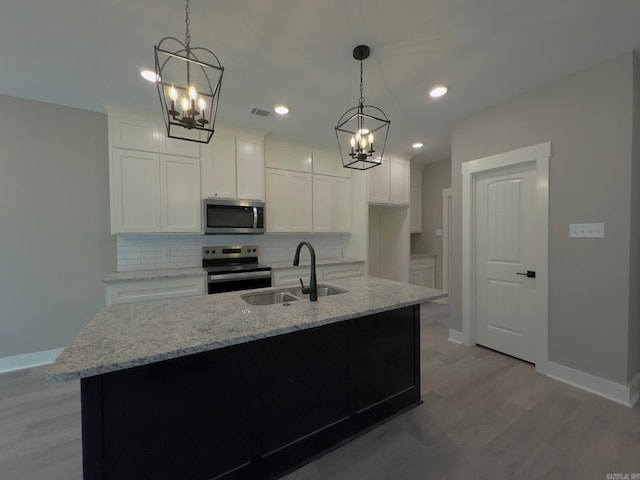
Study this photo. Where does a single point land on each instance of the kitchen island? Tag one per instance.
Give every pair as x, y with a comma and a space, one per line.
213, 387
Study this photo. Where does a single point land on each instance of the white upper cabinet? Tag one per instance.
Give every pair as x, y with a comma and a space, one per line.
331, 204
327, 162
135, 191
287, 156
250, 166
399, 180
219, 166
233, 166
180, 194
388, 183
288, 201
154, 193
416, 209
151, 190
148, 135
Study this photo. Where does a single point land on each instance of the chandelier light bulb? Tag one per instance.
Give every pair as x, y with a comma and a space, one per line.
173, 93
371, 138
193, 93
353, 142
202, 104
184, 103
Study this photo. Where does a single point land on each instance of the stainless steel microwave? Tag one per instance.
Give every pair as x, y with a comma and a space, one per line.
232, 216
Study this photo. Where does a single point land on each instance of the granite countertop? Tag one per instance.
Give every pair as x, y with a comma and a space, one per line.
155, 274
129, 335
320, 262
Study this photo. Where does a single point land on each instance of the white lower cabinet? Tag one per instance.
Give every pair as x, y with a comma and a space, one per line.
154, 193
142, 290
343, 270
290, 277
422, 271
288, 201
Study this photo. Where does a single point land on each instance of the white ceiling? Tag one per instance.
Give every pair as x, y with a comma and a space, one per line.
86, 54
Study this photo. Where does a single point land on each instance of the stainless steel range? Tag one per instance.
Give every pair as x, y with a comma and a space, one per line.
234, 267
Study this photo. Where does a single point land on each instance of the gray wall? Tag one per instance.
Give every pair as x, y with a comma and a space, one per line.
55, 245
634, 274
588, 119
435, 177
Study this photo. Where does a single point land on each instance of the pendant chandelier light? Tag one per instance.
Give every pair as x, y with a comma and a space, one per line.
362, 130
189, 81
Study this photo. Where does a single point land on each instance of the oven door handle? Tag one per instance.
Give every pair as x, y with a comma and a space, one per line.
255, 217
223, 277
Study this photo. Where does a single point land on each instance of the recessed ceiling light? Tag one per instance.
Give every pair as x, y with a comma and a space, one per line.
418, 145
148, 75
438, 91
281, 109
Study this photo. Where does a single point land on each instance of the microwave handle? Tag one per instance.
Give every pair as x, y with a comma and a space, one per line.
255, 217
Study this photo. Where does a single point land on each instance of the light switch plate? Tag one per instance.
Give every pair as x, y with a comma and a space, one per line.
586, 230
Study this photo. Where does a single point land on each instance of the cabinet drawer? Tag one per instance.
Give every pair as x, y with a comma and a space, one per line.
334, 272
141, 290
291, 276
420, 263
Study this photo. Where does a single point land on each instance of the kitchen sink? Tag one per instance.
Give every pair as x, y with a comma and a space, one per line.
269, 298
272, 298
323, 291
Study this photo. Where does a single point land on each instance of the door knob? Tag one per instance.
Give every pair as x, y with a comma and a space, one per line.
529, 274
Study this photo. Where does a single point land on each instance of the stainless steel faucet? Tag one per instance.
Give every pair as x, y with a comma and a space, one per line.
313, 283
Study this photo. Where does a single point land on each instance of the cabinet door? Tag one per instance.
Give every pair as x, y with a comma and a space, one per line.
399, 172
378, 182
342, 207
250, 167
174, 146
300, 201
135, 192
300, 158
219, 166
278, 200
384, 358
180, 194
134, 133
276, 154
299, 394
416, 209
322, 203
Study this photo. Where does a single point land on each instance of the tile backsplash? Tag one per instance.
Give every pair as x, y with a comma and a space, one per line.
152, 251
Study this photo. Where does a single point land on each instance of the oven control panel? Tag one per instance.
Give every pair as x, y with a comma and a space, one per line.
229, 251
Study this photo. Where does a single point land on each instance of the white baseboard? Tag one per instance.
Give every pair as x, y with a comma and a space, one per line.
455, 336
599, 386
29, 360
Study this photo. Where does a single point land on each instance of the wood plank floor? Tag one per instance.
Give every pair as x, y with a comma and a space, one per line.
485, 416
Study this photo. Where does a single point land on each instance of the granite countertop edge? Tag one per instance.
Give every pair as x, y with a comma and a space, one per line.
130, 335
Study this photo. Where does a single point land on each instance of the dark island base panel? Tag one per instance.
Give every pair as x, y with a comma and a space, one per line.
255, 410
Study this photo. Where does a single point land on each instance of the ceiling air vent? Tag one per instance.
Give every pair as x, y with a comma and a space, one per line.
261, 113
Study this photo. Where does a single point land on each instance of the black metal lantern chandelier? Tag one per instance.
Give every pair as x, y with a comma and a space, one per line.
362, 127
189, 81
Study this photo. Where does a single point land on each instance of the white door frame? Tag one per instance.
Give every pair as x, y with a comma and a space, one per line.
538, 154
446, 196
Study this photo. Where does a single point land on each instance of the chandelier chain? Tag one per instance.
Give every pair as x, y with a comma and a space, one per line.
187, 38
361, 90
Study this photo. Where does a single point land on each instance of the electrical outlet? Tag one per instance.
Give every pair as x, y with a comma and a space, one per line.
166, 253
438, 232
586, 230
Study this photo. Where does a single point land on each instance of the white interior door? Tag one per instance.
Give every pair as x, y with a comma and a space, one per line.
505, 250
